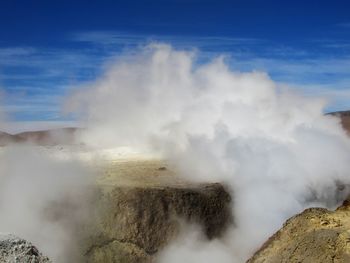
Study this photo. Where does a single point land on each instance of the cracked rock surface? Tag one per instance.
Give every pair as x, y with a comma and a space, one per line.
17, 250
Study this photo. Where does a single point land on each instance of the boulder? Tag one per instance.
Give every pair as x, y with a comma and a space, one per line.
316, 235
17, 250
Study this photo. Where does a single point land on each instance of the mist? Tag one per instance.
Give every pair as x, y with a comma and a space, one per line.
43, 199
274, 148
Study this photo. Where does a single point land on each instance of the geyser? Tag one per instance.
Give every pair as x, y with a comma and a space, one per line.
275, 149
44, 199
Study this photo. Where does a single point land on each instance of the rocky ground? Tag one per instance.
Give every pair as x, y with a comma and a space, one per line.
313, 236
141, 207
316, 235
17, 250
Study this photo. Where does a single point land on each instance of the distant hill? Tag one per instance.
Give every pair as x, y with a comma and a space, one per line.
344, 117
45, 137
6, 138
68, 135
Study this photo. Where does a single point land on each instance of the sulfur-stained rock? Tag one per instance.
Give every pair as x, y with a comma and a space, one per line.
115, 251
316, 235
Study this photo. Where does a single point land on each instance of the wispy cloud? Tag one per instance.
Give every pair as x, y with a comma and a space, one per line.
39, 77
114, 42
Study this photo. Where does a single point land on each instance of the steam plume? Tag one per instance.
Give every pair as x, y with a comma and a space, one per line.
275, 149
43, 199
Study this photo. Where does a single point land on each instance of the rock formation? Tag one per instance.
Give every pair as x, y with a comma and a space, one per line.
17, 250
133, 222
316, 235
344, 118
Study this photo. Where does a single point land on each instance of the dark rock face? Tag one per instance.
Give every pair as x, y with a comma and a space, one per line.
135, 222
14, 249
316, 236
6, 138
344, 118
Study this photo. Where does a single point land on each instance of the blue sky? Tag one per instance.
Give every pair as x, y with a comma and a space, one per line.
47, 47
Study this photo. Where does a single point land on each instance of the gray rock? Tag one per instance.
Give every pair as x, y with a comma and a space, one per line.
17, 250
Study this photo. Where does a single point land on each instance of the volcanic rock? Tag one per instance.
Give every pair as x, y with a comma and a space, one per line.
17, 250
344, 119
317, 235
134, 221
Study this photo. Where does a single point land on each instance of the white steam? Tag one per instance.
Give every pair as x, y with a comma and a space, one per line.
192, 246
276, 150
43, 199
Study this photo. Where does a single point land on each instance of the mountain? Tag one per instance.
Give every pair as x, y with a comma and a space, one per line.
344, 117
45, 137
6, 138
67, 136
